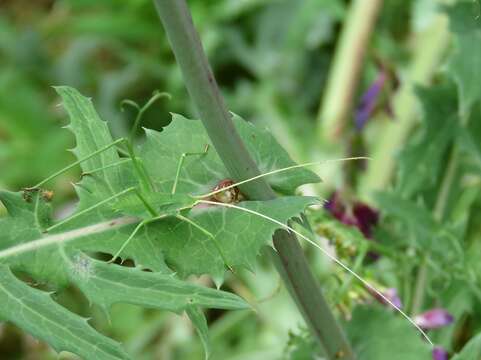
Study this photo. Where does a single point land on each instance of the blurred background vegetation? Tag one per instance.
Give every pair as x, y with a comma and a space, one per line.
272, 60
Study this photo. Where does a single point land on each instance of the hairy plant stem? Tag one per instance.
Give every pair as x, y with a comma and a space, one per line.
203, 89
346, 68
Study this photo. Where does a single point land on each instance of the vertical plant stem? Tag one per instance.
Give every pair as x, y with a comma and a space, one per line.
429, 50
419, 287
203, 89
346, 67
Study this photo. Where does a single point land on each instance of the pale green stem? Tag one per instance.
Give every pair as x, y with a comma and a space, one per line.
431, 45
142, 110
346, 68
419, 287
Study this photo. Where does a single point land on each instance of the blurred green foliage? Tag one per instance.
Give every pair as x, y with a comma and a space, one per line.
271, 59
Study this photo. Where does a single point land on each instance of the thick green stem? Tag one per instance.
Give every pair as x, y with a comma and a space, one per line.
203, 89
322, 324
346, 67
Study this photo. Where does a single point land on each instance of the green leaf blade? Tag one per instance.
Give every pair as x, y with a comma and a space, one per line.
36, 312
471, 351
465, 62
101, 282
200, 174
378, 334
240, 234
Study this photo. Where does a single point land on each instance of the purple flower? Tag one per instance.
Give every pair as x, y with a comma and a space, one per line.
359, 214
433, 319
366, 218
391, 294
368, 101
439, 353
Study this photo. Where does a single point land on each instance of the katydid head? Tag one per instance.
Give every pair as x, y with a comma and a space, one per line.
276, 171
229, 195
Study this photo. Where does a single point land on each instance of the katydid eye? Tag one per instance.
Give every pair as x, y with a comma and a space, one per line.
228, 196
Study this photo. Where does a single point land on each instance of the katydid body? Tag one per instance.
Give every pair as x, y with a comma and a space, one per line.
149, 205
142, 201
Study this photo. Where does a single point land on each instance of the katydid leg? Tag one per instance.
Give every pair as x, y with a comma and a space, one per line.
329, 255
65, 169
209, 234
103, 202
145, 180
126, 242
140, 110
131, 236
181, 162
93, 171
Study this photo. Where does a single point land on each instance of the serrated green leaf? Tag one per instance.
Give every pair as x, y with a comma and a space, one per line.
302, 346
417, 220
200, 174
470, 141
25, 245
471, 351
92, 134
240, 235
422, 159
35, 312
161, 154
101, 282
417, 215
465, 62
26, 222
378, 334
187, 249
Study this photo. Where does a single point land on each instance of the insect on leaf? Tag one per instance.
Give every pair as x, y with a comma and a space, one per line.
54, 253
162, 151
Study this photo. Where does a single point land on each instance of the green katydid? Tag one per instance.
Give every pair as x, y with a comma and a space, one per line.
148, 205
